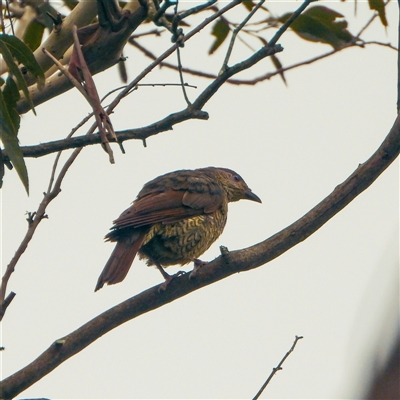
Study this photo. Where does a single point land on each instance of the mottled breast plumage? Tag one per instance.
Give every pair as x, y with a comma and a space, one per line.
182, 242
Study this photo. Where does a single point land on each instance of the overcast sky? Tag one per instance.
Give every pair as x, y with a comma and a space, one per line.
293, 145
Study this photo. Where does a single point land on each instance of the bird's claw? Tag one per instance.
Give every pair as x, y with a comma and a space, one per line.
168, 279
197, 265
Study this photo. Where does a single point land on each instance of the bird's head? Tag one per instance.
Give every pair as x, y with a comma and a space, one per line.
234, 185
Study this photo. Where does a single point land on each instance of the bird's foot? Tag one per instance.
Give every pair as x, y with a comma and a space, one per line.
168, 278
197, 265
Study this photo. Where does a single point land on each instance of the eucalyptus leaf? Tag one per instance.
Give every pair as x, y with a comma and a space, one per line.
220, 30
379, 6
33, 35
24, 55
15, 71
321, 24
8, 136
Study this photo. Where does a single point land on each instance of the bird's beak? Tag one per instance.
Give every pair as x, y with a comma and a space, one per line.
249, 195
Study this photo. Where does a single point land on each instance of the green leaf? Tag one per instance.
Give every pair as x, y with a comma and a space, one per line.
220, 31
9, 125
71, 4
320, 24
379, 6
278, 66
33, 35
24, 55
14, 70
248, 4
11, 96
323, 13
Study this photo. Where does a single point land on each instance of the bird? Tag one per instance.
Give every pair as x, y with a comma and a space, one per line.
175, 218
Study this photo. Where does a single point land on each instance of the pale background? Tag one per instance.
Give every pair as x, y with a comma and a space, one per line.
293, 145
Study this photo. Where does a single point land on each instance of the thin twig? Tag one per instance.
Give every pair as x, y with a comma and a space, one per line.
195, 10
236, 31
73, 131
147, 85
167, 84
6, 303
178, 54
161, 11
246, 44
277, 368
289, 22
380, 44
103, 121
183, 85
156, 32
65, 71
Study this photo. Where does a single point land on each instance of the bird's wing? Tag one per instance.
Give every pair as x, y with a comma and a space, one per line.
168, 206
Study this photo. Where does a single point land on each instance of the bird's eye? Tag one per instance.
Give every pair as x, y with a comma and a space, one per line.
236, 178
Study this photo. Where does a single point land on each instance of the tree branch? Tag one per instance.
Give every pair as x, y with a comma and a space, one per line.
225, 265
60, 40
277, 368
191, 112
95, 39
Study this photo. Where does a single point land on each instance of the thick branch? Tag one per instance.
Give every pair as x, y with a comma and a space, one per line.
102, 47
61, 39
222, 267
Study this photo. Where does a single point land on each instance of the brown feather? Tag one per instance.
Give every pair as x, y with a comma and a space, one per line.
120, 261
169, 206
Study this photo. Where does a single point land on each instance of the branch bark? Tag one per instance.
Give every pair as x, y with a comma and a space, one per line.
102, 46
225, 265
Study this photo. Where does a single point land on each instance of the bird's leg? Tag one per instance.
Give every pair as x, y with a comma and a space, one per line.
164, 273
168, 278
197, 265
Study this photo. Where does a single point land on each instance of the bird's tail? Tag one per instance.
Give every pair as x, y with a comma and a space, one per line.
119, 262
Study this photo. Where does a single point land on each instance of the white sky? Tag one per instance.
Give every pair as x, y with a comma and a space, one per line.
292, 145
